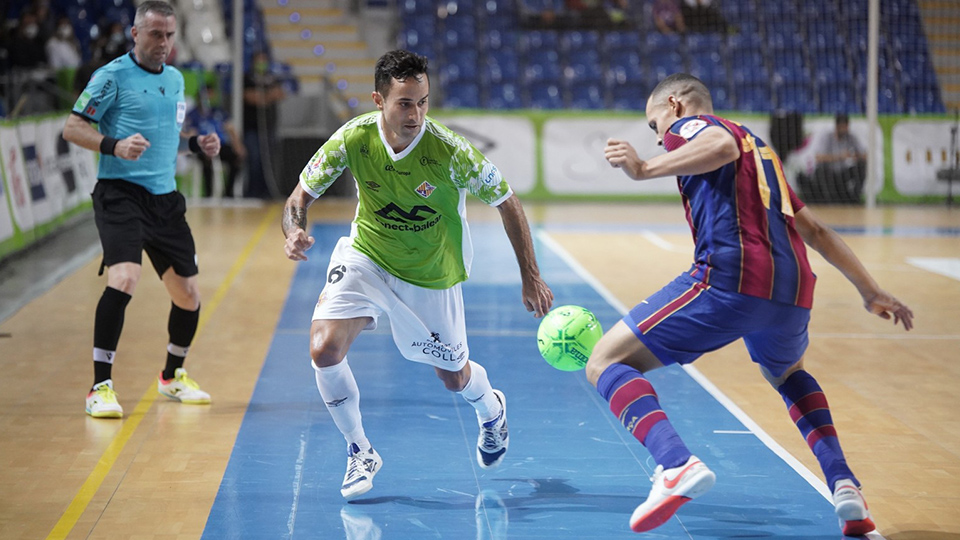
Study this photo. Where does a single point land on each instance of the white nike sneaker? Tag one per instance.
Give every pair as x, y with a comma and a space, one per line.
852, 509
671, 489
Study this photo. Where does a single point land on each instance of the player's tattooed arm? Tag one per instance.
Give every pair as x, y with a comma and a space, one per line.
294, 217
294, 224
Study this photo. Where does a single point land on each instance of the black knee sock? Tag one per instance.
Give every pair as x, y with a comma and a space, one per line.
182, 326
107, 325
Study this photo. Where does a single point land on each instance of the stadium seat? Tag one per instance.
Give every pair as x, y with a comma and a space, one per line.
545, 95
835, 98
542, 65
888, 103
665, 63
708, 67
744, 42
628, 97
459, 37
704, 43
499, 39
620, 41
504, 96
576, 41
657, 43
540, 39
462, 96
583, 66
624, 67
501, 67
586, 96
795, 97
753, 99
922, 99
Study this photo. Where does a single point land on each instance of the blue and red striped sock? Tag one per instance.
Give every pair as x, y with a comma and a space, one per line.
810, 412
633, 400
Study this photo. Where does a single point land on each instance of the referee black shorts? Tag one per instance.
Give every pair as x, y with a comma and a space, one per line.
131, 220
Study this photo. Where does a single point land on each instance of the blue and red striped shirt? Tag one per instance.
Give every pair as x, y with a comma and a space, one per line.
742, 219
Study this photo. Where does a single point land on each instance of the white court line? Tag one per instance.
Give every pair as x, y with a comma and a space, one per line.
945, 266
721, 398
658, 241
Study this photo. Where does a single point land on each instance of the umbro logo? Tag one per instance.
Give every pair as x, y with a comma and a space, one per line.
336, 402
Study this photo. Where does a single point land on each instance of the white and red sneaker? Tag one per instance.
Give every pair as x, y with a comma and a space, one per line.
671, 489
852, 509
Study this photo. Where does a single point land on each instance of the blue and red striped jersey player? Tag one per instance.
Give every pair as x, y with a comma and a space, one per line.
750, 280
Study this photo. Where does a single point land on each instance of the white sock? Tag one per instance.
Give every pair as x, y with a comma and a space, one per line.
479, 393
340, 394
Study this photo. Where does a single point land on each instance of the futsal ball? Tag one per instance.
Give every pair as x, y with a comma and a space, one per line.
566, 337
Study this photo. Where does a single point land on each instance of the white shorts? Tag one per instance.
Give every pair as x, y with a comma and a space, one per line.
428, 325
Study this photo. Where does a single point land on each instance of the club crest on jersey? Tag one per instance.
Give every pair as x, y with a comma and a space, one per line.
425, 189
691, 128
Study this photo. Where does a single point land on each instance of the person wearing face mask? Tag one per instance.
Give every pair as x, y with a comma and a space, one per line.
262, 90
63, 49
26, 47
112, 43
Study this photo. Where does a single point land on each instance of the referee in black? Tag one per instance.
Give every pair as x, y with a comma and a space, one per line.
138, 104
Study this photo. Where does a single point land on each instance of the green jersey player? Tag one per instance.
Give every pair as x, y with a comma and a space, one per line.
407, 253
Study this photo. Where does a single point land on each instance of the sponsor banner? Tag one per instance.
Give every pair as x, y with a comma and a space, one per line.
508, 142
43, 205
15, 175
6, 220
920, 148
574, 162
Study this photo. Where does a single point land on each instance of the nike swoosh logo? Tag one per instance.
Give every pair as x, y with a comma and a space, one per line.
673, 483
475, 400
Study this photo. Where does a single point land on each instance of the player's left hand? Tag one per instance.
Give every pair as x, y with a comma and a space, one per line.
210, 144
537, 296
885, 306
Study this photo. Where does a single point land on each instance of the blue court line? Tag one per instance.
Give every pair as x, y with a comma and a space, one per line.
571, 472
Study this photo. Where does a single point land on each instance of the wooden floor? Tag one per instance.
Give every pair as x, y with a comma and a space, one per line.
154, 475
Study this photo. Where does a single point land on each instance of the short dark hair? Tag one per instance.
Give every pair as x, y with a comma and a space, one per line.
682, 85
843, 118
399, 65
159, 7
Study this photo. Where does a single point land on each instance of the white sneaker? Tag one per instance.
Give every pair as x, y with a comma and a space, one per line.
102, 401
852, 509
493, 440
671, 489
362, 466
182, 388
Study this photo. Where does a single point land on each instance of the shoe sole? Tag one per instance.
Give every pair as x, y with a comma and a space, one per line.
105, 414
858, 527
669, 506
185, 401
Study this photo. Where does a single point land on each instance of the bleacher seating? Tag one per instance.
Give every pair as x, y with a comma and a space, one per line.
806, 55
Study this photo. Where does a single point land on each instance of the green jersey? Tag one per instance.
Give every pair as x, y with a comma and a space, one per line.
411, 218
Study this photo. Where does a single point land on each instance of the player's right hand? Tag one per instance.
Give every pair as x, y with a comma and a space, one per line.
296, 245
131, 147
885, 306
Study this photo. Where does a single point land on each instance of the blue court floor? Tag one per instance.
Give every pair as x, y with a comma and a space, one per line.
572, 472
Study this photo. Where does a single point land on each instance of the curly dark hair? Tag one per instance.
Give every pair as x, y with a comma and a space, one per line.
399, 65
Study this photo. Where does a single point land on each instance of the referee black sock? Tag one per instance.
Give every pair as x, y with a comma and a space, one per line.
182, 326
107, 325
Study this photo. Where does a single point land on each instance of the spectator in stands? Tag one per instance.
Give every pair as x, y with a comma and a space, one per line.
668, 17
46, 19
262, 90
63, 49
206, 118
841, 164
26, 44
112, 43
703, 17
